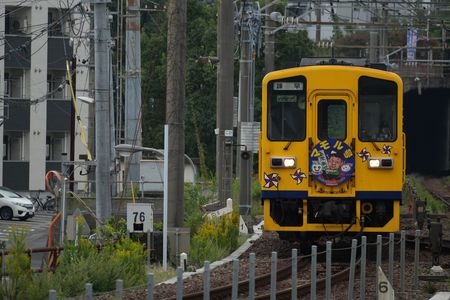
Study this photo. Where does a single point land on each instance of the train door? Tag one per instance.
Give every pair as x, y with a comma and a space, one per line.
331, 143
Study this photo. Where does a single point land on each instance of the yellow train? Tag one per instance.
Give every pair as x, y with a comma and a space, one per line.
332, 150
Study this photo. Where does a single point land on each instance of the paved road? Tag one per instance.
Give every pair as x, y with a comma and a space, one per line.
37, 232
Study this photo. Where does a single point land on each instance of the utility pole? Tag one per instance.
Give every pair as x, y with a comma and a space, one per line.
245, 94
318, 10
269, 41
102, 38
175, 108
133, 133
225, 91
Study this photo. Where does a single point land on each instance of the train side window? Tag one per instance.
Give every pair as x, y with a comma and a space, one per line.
332, 120
287, 109
377, 114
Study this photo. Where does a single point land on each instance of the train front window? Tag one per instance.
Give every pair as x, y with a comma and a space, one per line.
287, 109
377, 116
332, 119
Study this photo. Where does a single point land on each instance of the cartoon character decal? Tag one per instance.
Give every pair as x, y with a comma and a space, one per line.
364, 154
332, 162
271, 180
386, 149
298, 176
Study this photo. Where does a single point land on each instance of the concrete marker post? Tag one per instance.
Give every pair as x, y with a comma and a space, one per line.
206, 281
179, 283
379, 249
416, 259
150, 286
313, 272
391, 258
119, 289
402, 260
251, 279
362, 278
294, 275
351, 279
273, 276
235, 280
328, 271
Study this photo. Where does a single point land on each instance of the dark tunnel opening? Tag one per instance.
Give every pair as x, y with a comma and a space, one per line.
427, 128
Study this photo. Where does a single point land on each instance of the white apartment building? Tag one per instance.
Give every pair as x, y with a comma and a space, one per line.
37, 37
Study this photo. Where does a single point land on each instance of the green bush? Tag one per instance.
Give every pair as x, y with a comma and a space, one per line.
81, 264
215, 239
194, 199
18, 267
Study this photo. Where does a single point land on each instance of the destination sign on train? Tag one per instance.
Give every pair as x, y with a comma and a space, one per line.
288, 86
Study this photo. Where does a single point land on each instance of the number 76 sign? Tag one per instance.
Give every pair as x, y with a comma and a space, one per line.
139, 217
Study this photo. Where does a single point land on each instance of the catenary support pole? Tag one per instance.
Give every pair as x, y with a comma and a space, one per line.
245, 94
225, 99
102, 37
133, 132
175, 107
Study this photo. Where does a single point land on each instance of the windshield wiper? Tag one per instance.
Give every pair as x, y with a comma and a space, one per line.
287, 145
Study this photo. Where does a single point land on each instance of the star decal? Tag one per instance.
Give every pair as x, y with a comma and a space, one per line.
386, 149
298, 176
271, 180
364, 154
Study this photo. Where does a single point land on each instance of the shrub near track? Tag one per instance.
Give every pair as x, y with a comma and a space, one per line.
215, 239
80, 264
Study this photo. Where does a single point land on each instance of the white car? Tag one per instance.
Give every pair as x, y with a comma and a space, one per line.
13, 205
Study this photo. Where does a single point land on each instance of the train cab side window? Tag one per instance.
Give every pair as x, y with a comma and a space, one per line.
377, 115
332, 120
287, 109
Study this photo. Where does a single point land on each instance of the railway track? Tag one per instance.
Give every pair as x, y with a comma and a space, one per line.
340, 274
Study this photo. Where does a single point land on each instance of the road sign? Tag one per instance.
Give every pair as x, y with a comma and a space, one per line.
250, 135
385, 290
139, 217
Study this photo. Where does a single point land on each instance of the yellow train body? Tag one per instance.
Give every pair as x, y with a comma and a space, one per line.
332, 149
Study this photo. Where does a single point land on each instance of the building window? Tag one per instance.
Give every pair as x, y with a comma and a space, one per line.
56, 147
56, 85
13, 146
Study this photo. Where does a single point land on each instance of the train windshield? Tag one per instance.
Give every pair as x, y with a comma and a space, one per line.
377, 117
287, 109
332, 123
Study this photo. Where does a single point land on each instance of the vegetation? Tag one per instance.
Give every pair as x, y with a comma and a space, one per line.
215, 239
433, 205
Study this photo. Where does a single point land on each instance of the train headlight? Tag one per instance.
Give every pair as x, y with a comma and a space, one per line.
289, 162
282, 162
381, 163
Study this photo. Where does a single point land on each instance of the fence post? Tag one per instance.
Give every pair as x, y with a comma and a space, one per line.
391, 258
362, 278
416, 258
251, 283
234, 291
313, 272
351, 279
179, 283
119, 288
328, 271
402, 260
88, 288
379, 249
206, 281
52, 295
150, 286
273, 276
294, 275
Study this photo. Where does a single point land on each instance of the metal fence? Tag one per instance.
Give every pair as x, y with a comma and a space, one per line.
355, 265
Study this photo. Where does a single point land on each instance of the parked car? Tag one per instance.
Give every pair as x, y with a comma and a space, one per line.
13, 205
